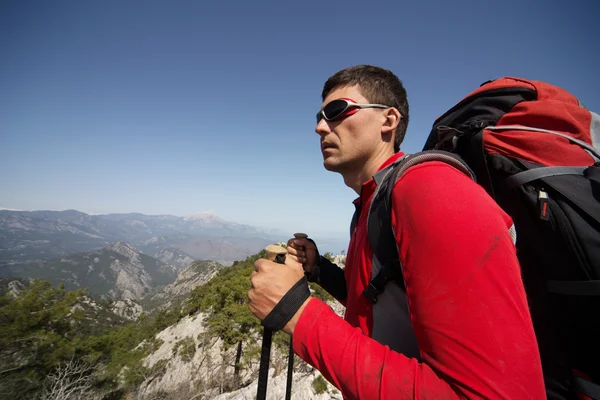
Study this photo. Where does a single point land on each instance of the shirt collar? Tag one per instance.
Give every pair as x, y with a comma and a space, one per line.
368, 188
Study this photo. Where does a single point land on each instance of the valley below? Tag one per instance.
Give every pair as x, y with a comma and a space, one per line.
130, 306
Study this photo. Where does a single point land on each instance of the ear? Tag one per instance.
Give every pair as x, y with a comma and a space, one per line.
392, 119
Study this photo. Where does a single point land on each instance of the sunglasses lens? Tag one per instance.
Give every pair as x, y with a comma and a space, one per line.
334, 109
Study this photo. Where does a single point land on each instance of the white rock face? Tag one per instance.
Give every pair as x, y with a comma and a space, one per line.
190, 326
14, 288
175, 258
178, 373
187, 280
91, 303
340, 260
127, 308
132, 283
132, 280
124, 249
154, 239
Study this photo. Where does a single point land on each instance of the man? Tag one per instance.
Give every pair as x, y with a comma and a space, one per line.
466, 308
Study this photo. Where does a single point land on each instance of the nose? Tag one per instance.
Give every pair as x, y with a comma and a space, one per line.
322, 127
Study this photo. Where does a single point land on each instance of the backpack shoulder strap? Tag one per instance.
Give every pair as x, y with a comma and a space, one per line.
386, 264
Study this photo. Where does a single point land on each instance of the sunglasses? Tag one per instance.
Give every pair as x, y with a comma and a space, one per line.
342, 108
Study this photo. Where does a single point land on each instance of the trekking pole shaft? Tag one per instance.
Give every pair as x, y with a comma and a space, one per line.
263, 371
288, 387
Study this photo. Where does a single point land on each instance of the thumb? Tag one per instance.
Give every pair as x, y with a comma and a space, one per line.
292, 262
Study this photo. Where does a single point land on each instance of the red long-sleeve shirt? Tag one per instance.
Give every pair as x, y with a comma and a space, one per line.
466, 299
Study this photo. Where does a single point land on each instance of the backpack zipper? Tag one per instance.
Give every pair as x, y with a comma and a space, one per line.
559, 222
543, 205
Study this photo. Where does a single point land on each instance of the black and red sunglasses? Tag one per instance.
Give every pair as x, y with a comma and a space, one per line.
342, 108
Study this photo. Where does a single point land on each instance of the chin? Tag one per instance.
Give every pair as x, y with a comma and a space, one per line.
331, 165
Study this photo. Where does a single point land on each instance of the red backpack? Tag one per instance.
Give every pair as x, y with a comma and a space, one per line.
535, 149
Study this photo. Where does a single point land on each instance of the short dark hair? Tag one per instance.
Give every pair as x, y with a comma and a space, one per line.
379, 86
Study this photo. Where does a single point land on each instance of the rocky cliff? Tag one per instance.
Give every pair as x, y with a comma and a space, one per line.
196, 274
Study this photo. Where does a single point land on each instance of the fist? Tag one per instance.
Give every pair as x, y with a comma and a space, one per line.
306, 253
269, 283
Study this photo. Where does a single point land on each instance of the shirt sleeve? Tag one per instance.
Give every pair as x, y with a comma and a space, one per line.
466, 298
332, 279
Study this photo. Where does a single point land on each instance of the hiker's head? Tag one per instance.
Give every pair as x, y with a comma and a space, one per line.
377, 86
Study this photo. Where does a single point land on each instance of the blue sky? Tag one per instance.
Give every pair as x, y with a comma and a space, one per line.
181, 107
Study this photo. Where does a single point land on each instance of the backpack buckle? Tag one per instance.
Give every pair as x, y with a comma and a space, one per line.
371, 293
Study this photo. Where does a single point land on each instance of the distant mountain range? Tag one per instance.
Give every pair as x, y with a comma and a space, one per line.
28, 235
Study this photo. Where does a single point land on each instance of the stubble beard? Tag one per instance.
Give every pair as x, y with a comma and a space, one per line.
338, 164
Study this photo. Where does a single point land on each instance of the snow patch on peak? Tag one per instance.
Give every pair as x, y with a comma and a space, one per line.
206, 215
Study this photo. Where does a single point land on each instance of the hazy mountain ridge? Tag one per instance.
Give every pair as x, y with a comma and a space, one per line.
224, 250
27, 235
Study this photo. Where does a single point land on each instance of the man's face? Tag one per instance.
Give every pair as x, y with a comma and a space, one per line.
348, 143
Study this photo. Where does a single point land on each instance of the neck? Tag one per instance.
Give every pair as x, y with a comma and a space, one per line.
356, 178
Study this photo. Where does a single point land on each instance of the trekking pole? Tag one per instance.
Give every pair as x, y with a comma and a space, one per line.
288, 387
277, 254
297, 294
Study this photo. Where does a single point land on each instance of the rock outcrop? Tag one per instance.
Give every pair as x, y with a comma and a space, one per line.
127, 309
196, 274
174, 257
